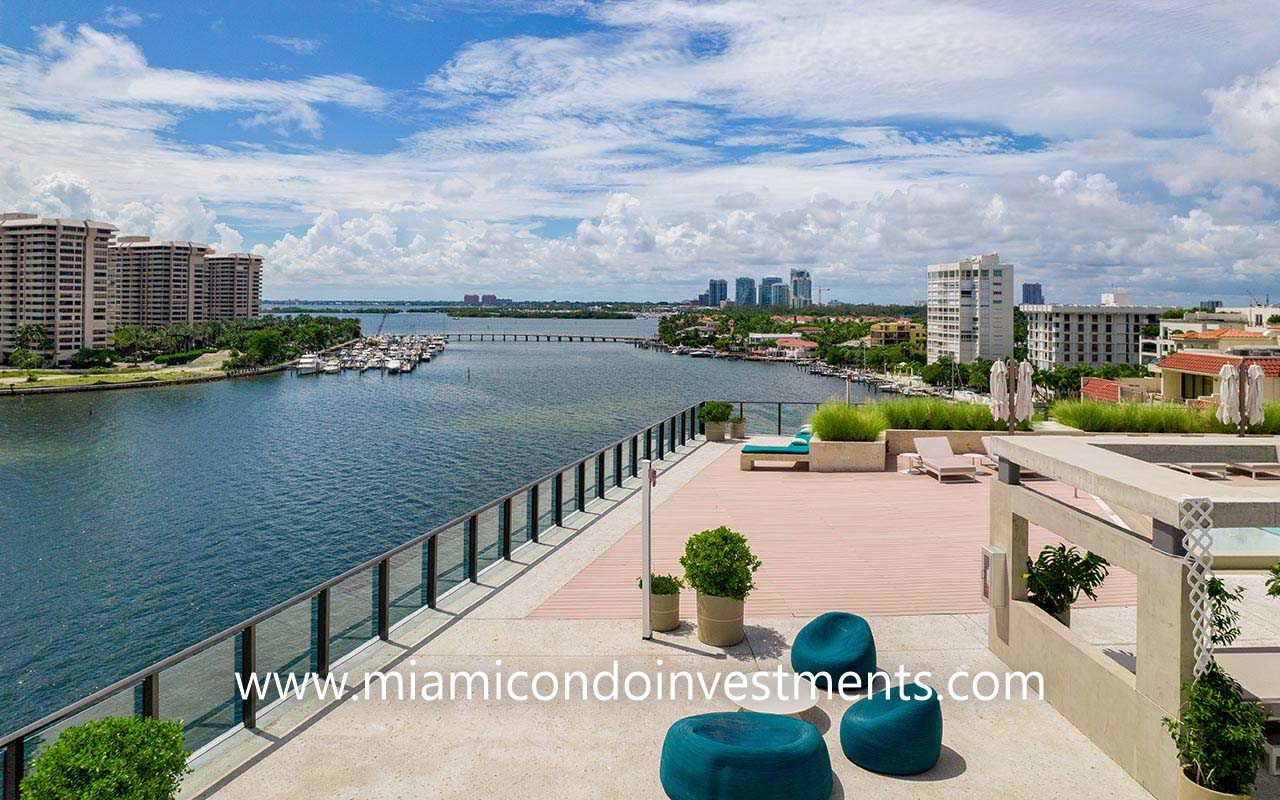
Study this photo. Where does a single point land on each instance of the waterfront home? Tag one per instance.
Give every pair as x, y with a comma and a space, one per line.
1187, 375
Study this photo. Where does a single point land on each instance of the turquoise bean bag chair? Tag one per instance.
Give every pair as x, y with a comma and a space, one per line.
745, 756
894, 732
832, 645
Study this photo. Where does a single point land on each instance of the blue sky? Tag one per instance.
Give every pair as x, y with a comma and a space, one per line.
634, 149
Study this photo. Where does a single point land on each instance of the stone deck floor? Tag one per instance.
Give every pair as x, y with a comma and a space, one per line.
373, 748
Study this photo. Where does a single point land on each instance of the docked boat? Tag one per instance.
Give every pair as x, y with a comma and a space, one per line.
393, 366
706, 351
309, 364
332, 367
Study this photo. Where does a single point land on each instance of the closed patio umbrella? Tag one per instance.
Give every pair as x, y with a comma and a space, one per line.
1229, 395
1022, 408
1254, 413
999, 391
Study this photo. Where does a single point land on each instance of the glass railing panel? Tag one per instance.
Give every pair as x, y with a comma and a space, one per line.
589, 480
489, 531
353, 608
201, 692
546, 505
520, 518
631, 455
761, 418
794, 415
569, 489
124, 703
408, 585
609, 481
286, 646
451, 558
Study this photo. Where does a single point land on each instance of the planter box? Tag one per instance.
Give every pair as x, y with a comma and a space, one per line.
719, 620
902, 440
1190, 790
664, 611
846, 456
737, 430
715, 431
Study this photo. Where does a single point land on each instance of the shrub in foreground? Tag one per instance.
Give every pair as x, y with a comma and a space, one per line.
835, 421
1098, 417
1219, 734
126, 758
718, 562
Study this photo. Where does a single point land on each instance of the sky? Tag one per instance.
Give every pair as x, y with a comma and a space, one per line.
631, 150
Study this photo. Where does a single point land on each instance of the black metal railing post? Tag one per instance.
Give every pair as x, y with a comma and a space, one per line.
534, 514
600, 476
433, 572
671, 431
557, 497
248, 666
617, 465
648, 444
322, 633
151, 696
779, 419
580, 486
506, 528
662, 439
384, 599
14, 759
684, 418
473, 548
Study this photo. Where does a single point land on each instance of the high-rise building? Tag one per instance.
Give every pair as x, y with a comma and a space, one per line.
233, 288
53, 273
1032, 294
1070, 335
157, 283
471, 299
801, 288
1210, 305
766, 290
779, 294
488, 299
745, 291
717, 292
704, 300
970, 310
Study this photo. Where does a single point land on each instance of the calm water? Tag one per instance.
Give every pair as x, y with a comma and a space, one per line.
136, 523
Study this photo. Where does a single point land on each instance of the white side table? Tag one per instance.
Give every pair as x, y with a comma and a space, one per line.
912, 461
787, 695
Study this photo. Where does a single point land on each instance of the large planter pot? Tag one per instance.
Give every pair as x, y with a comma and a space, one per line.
1190, 790
737, 430
664, 611
1064, 617
719, 620
846, 456
715, 431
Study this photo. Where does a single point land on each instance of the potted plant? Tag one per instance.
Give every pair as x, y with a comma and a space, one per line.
846, 438
720, 566
1273, 581
1220, 738
135, 757
714, 415
737, 428
1058, 577
664, 601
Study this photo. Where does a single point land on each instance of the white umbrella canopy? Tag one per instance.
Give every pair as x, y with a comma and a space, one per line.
999, 391
1229, 396
1253, 413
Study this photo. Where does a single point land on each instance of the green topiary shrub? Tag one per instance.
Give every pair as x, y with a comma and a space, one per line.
835, 421
124, 758
1273, 581
662, 584
1059, 575
715, 411
718, 562
1219, 735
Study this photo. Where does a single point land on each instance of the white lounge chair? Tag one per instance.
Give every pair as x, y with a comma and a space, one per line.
1267, 469
1200, 469
937, 459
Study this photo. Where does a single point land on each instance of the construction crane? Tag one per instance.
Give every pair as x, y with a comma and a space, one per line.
386, 310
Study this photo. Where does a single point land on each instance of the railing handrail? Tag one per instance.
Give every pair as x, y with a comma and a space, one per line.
210, 641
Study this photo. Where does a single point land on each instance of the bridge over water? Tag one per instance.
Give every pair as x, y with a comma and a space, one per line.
638, 341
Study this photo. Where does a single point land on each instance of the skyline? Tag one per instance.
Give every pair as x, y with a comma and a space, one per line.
632, 150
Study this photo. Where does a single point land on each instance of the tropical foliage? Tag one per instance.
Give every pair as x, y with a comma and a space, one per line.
1273, 581
125, 758
718, 562
715, 411
265, 340
835, 421
662, 584
1094, 416
1059, 575
22, 358
935, 414
1224, 619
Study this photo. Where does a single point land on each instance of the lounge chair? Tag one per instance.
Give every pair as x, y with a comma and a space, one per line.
1268, 469
937, 459
795, 452
1200, 469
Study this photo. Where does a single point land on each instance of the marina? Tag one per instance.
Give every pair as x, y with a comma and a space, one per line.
389, 353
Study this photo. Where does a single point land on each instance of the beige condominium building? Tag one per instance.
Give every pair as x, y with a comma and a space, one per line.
970, 309
234, 285
53, 273
1060, 334
157, 283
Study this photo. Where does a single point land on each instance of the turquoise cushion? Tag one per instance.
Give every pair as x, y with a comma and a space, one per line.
806, 435
741, 755
833, 645
800, 440
801, 449
895, 732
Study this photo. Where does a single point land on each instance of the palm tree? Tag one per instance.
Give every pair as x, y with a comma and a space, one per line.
32, 336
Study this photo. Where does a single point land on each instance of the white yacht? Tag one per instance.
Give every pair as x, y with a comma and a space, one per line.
331, 367
393, 366
309, 364
706, 351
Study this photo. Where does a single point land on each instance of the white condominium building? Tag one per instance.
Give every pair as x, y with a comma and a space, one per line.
970, 310
53, 273
1060, 334
157, 283
234, 285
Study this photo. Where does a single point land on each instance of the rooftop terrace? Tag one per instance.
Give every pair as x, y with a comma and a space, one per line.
901, 550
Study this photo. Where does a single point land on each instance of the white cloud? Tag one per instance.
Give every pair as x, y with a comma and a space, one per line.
294, 44
121, 17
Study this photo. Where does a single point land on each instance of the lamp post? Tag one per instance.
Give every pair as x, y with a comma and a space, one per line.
648, 477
